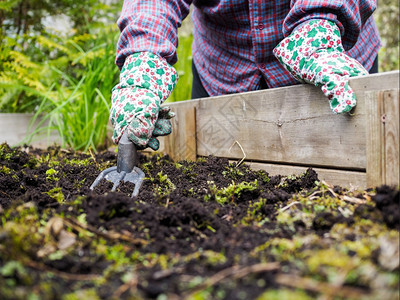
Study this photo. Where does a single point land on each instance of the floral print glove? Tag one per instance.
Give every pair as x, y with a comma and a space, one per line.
313, 53
146, 81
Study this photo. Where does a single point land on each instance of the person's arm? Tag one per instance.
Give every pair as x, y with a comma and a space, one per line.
150, 26
313, 51
146, 51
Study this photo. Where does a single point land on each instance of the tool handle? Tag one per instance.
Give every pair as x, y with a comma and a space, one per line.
127, 154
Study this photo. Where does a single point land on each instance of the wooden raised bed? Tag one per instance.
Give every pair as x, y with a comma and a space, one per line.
285, 130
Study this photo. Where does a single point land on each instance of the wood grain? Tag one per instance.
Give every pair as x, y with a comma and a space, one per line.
181, 143
288, 125
383, 134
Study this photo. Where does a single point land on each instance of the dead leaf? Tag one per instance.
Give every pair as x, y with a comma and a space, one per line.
65, 239
46, 250
54, 226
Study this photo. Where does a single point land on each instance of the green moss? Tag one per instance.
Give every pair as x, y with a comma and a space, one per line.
32, 163
82, 294
284, 294
282, 249
187, 168
51, 175
233, 172
117, 254
165, 184
231, 193
263, 176
211, 258
5, 170
329, 258
24, 235
78, 162
255, 212
12, 268
57, 194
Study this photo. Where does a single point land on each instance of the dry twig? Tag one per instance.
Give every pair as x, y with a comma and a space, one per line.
353, 199
4, 193
64, 275
94, 159
241, 148
126, 286
235, 272
75, 224
289, 206
319, 287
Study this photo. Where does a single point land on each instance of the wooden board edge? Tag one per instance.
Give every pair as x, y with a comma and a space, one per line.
348, 179
382, 144
181, 143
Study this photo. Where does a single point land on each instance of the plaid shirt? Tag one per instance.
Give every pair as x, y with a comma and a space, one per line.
233, 40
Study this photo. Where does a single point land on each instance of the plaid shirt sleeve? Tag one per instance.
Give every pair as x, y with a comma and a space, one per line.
234, 40
150, 26
349, 16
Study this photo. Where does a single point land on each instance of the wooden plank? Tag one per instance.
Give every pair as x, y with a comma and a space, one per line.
392, 137
288, 125
374, 143
181, 143
383, 131
347, 179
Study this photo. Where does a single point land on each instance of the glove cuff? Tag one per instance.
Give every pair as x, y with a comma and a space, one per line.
149, 71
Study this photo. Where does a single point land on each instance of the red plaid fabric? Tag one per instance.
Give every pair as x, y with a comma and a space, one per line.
233, 40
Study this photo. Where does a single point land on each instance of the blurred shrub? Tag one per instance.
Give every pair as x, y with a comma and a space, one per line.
77, 104
34, 57
183, 89
65, 77
387, 19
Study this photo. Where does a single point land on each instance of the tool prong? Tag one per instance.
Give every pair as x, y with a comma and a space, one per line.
118, 180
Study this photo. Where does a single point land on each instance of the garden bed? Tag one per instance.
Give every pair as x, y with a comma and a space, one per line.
285, 130
204, 229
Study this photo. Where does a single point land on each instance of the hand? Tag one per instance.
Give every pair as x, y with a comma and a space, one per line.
162, 127
313, 53
145, 82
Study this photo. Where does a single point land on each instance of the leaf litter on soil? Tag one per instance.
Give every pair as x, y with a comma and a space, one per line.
198, 230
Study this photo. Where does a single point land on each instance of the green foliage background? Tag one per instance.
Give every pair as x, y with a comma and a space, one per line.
68, 76
387, 19
36, 61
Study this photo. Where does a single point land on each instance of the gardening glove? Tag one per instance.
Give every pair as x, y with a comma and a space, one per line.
146, 81
313, 53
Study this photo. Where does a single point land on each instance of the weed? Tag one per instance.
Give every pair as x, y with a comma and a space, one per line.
231, 193
51, 175
56, 193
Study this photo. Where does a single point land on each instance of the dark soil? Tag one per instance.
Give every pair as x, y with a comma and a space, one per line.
197, 230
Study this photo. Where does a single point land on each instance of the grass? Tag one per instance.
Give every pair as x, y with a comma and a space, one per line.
78, 108
183, 88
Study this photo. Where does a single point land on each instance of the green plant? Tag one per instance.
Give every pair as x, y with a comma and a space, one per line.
66, 79
183, 88
29, 49
231, 193
78, 107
